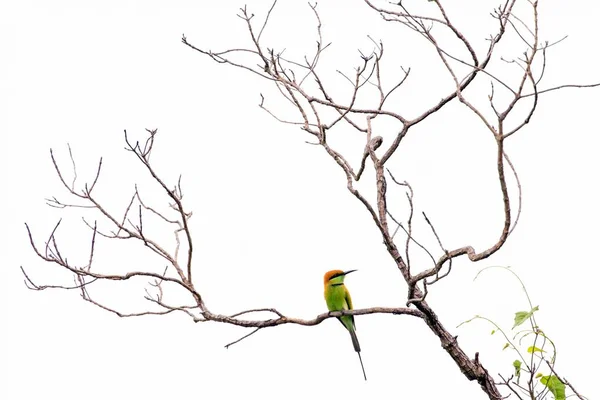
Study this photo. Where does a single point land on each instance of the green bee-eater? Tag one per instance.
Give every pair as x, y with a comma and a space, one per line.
338, 298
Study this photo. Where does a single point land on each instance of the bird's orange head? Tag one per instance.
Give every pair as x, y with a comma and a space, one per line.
334, 273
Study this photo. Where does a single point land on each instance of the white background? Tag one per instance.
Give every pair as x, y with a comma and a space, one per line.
271, 213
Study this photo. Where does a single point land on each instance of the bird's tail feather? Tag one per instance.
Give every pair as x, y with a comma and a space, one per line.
361, 365
355, 341
357, 349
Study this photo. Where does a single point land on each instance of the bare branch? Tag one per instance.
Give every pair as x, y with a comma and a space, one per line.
32, 286
311, 322
266, 20
242, 338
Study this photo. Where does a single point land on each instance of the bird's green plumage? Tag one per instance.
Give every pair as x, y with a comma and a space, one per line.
338, 298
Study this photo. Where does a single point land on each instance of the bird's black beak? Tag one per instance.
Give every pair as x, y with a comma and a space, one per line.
352, 270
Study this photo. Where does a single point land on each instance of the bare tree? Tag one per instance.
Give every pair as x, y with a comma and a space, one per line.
507, 108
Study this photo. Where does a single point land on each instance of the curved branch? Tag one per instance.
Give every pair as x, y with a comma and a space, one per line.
282, 320
469, 250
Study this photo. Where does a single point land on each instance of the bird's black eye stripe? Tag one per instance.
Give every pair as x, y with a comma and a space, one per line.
337, 284
337, 275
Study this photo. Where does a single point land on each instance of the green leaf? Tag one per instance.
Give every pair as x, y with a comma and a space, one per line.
493, 331
555, 386
522, 316
517, 365
505, 346
533, 349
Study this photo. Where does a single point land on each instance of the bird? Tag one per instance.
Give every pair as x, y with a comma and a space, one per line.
338, 298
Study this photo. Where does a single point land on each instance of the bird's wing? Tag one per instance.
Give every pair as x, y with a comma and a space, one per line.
348, 301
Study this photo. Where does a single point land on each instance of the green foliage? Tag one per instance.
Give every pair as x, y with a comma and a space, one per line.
522, 316
533, 349
556, 387
539, 357
517, 364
